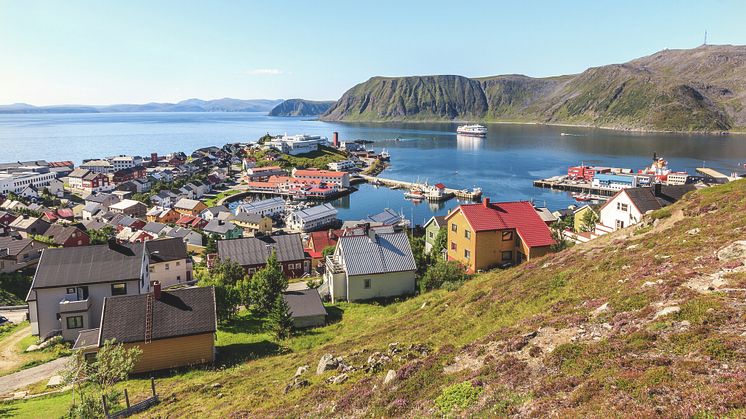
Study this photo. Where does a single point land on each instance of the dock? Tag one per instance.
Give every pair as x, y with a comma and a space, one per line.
401, 184
713, 175
574, 186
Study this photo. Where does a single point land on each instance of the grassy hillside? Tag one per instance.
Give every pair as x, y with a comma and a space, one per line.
648, 320
701, 89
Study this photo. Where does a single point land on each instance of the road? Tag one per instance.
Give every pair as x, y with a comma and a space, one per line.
16, 316
25, 378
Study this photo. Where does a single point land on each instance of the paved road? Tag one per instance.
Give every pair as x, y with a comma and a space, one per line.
297, 286
25, 378
16, 316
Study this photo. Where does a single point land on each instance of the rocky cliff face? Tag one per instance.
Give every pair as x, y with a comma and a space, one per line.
701, 89
301, 107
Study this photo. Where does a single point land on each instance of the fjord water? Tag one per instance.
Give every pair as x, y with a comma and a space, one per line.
504, 163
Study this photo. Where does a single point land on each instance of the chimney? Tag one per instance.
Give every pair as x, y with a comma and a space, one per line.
157, 290
335, 139
221, 222
486, 202
657, 189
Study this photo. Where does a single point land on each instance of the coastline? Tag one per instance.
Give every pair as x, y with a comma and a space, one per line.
536, 123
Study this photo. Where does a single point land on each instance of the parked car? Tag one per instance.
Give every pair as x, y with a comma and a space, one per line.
4, 320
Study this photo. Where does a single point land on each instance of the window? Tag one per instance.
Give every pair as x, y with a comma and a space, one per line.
430, 234
467, 254
178, 263
453, 246
75, 322
507, 235
622, 207
167, 266
454, 228
178, 278
366, 283
507, 255
119, 288
619, 224
70, 291
467, 234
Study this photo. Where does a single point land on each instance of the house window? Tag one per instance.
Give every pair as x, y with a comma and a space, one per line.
366, 283
119, 288
70, 291
467, 254
454, 228
507, 255
178, 278
167, 266
151, 269
467, 234
178, 263
453, 246
619, 224
507, 235
430, 234
75, 322
622, 207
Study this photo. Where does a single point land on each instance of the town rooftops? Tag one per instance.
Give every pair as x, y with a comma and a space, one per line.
219, 226
246, 217
375, 253
256, 250
318, 173
520, 216
439, 220
258, 206
182, 312
318, 211
125, 204
88, 265
304, 303
165, 250
386, 217
59, 234
13, 246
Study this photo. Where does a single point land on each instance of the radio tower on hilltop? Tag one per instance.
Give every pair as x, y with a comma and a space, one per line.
705, 43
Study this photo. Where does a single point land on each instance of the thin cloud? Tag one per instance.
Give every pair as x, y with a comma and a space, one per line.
265, 72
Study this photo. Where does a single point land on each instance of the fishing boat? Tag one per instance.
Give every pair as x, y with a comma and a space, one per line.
473, 194
472, 130
384, 156
581, 197
414, 195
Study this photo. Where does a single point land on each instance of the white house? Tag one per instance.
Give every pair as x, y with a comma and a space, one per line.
627, 207
342, 166
169, 262
371, 265
311, 219
265, 207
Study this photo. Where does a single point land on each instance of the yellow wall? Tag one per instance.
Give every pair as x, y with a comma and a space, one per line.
175, 352
578, 223
461, 242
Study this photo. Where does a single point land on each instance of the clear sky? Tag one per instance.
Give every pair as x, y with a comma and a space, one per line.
103, 52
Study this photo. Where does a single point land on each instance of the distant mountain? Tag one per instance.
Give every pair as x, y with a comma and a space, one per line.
700, 89
301, 107
189, 105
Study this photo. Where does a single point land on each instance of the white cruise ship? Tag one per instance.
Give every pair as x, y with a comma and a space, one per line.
473, 130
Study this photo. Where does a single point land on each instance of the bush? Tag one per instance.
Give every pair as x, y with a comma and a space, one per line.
442, 273
458, 396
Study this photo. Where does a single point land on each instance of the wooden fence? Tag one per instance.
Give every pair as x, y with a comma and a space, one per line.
135, 408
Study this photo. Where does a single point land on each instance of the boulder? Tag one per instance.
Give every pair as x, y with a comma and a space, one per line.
735, 250
390, 376
338, 379
300, 371
327, 362
666, 311
295, 384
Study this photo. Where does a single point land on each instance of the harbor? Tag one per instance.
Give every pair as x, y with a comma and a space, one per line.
437, 192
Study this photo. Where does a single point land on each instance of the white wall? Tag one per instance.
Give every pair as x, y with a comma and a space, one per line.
171, 273
611, 213
381, 285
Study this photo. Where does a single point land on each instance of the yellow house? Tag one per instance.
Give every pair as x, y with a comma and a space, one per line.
483, 236
252, 223
579, 220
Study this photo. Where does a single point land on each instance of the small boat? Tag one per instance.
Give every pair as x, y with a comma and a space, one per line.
472, 130
385, 156
581, 197
417, 196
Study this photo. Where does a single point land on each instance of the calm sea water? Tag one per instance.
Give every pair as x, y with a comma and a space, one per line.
503, 164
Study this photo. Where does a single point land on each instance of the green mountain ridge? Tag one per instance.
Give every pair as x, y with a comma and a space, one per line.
700, 89
301, 107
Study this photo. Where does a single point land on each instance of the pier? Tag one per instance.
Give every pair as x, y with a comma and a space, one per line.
574, 186
448, 193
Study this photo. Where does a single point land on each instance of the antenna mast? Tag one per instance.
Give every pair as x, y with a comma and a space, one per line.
705, 37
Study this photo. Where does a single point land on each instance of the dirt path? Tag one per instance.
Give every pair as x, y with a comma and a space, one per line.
9, 356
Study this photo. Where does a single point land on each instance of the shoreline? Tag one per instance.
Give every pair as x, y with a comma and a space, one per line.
550, 124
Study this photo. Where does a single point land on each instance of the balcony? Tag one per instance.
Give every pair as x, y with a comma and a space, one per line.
70, 304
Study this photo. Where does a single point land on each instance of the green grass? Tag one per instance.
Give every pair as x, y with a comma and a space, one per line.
318, 159
214, 201
53, 406
32, 359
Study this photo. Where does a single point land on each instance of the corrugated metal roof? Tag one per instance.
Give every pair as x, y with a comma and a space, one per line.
256, 250
378, 253
318, 211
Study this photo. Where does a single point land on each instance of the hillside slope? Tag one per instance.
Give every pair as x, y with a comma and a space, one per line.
301, 107
650, 320
700, 89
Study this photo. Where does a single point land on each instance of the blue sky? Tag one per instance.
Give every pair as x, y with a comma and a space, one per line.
102, 52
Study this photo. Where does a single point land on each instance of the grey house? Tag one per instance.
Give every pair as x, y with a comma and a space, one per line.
306, 308
70, 284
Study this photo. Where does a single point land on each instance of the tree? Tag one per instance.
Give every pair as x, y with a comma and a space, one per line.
440, 243
101, 236
421, 258
267, 284
590, 218
212, 244
443, 272
113, 363
328, 251
227, 278
280, 319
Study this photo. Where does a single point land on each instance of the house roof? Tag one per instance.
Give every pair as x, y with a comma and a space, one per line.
153, 227
256, 250
185, 203
22, 223
180, 232
60, 234
304, 303
439, 221
14, 246
126, 204
375, 254
546, 215
319, 173
100, 198
165, 250
88, 264
520, 216
219, 226
324, 239
246, 217
216, 210
645, 199
387, 216
315, 212
182, 312
87, 338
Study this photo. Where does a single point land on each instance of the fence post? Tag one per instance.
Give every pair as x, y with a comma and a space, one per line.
152, 385
127, 399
